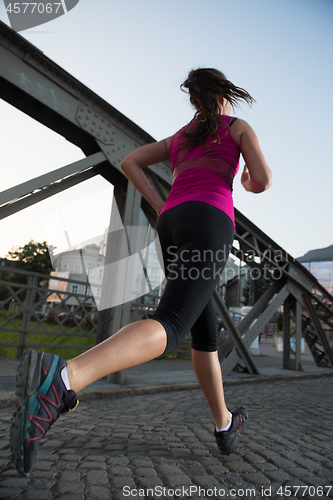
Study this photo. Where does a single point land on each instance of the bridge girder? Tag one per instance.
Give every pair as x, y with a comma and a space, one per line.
40, 88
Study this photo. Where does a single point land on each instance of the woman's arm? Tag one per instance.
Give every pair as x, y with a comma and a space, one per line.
257, 177
133, 164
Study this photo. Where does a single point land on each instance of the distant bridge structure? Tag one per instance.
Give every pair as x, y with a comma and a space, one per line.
34, 84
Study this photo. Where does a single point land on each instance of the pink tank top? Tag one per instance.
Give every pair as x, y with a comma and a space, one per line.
205, 173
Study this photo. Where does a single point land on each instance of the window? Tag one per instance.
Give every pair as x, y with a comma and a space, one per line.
77, 269
65, 267
100, 274
75, 288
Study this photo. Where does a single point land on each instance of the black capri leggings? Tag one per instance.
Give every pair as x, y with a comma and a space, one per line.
196, 240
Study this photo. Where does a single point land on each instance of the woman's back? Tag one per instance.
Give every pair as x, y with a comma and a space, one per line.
206, 172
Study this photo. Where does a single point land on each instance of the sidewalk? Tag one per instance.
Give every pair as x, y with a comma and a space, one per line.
269, 364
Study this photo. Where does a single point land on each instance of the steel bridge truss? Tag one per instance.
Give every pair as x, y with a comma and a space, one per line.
37, 86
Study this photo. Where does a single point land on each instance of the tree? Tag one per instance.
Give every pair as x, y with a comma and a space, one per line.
33, 257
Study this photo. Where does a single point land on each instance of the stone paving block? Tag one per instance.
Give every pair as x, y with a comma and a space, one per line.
69, 482
145, 472
62, 466
121, 481
314, 456
308, 463
278, 475
116, 470
71, 457
316, 481
283, 463
96, 477
40, 483
263, 466
149, 482
10, 492
180, 453
71, 496
164, 470
19, 482
175, 480
119, 460
255, 478
217, 470
98, 493
240, 466
298, 472
43, 474
253, 458
233, 480
35, 494
92, 465
94, 458
200, 452
205, 481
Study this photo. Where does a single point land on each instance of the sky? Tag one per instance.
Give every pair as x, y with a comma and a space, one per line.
135, 54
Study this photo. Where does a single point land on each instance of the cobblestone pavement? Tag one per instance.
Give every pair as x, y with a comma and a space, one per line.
161, 445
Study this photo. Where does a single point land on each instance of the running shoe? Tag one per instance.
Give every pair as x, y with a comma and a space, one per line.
227, 441
42, 398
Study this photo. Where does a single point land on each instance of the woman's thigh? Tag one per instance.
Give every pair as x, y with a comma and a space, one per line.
196, 239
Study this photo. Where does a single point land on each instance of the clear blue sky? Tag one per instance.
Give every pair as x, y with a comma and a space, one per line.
135, 54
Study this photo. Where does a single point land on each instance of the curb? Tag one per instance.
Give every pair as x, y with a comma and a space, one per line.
9, 399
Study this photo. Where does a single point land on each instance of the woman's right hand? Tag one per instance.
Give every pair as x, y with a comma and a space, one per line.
245, 178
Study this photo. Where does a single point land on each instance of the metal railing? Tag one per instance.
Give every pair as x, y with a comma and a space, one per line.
29, 307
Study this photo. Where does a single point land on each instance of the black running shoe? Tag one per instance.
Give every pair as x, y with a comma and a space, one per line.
227, 441
42, 398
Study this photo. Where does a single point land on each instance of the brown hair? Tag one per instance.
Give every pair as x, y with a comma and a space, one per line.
205, 87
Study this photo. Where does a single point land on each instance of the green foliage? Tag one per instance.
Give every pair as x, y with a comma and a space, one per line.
58, 337
33, 257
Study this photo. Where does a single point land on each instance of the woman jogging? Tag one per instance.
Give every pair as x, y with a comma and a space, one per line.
196, 229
